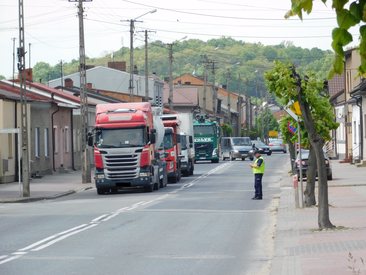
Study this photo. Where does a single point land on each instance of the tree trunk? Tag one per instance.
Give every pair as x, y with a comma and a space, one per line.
310, 180
291, 149
317, 143
323, 208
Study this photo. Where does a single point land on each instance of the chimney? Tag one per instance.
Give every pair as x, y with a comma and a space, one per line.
28, 74
117, 65
69, 83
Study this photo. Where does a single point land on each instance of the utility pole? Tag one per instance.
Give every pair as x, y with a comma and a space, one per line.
146, 99
170, 99
205, 62
228, 96
62, 74
146, 69
13, 60
23, 99
85, 157
131, 86
29, 55
214, 109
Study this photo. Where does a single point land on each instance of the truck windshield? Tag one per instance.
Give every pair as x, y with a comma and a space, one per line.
168, 141
202, 130
241, 142
118, 138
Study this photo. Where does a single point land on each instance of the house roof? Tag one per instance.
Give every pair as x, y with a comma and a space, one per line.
182, 96
113, 80
336, 84
40, 93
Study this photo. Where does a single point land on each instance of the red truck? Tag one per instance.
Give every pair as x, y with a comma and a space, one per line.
172, 147
127, 137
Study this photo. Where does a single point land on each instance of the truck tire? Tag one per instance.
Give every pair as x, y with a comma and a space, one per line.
157, 185
101, 191
149, 188
215, 161
191, 170
243, 159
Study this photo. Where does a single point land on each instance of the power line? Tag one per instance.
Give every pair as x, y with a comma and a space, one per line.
224, 17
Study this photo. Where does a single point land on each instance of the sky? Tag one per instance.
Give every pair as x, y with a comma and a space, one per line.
51, 26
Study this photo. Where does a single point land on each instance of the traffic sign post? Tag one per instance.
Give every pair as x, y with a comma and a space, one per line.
293, 109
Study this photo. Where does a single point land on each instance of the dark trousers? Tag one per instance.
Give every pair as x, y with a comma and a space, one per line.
258, 185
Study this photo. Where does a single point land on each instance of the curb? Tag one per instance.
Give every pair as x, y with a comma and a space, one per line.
56, 196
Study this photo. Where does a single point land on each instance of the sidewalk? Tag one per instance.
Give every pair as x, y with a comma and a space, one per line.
47, 187
300, 248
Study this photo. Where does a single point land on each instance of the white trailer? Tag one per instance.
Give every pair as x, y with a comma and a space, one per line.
187, 143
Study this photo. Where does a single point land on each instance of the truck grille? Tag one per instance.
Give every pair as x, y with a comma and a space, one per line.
121, 167
203, 148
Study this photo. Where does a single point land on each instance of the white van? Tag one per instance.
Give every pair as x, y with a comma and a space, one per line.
236, 147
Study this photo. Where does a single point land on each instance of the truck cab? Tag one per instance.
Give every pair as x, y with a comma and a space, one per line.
187, 153
124, 147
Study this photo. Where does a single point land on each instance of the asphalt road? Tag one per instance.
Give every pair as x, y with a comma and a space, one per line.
206, 224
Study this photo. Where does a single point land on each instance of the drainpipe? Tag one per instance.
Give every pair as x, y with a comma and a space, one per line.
72, 141
53, 134
359, 104
16, 139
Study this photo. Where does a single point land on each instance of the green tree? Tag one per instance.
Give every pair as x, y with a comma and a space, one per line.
264, 122
227, 130
349, 13
317, 116
2, 77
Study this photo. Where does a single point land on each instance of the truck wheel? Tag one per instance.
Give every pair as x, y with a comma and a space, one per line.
157, 185
101, 191
191, 170
149, 188
242, 158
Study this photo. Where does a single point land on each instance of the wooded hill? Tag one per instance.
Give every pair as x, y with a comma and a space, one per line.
237, 63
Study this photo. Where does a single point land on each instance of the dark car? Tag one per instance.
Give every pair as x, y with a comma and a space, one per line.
262, 147
305, 161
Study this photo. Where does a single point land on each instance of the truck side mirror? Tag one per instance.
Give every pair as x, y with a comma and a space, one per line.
90, 139
190, 139
153, 136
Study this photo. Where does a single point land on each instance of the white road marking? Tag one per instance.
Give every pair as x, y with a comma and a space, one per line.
51, 237
46, 242
10, 259
99, 218
63, 237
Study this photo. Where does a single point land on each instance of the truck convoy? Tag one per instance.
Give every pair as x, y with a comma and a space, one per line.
206, 139
127, 138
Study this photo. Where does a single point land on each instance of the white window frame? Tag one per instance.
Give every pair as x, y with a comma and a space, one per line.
37, 142
46, 142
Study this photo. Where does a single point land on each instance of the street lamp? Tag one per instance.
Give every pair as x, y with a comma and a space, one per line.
132, 29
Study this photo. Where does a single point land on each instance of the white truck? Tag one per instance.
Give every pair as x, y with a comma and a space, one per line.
187, 143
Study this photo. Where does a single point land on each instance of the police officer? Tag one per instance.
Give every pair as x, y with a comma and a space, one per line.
258, 168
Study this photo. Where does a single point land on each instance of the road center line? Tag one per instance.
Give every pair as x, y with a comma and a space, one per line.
46, 242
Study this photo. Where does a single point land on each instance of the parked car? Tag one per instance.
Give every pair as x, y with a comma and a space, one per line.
277, 145
305, 162
262, 147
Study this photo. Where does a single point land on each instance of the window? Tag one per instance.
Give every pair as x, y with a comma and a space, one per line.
37, 142
66, 140
55, 139
46, 143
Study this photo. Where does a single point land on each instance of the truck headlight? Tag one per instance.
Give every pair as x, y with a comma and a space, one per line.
214, 152
144, 174
99, 176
